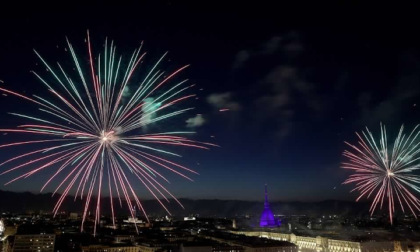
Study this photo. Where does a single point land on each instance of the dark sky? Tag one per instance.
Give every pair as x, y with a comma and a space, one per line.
299, 80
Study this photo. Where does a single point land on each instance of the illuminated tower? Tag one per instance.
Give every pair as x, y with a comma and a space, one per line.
2, 228
267, 217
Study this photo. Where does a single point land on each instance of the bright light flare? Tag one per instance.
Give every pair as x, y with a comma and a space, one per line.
108, 137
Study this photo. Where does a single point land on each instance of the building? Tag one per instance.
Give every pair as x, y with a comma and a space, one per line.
34, 243
234, 224
267, 218
105, 248
9, 230
7, 244
133, 220
2, 227
227, 248
208, 246
73, 216
150, 247
195, 248
123, 238
251, 244
324, 244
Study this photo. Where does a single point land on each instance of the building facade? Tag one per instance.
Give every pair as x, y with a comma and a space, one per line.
34, 243
323, 244
104, 248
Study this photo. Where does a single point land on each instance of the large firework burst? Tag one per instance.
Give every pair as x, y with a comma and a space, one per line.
385, 172
92, 134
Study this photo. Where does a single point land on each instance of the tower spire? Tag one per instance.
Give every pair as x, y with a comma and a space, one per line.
266, 197
267, 218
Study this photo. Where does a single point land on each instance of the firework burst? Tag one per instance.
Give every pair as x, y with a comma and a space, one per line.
92, 133
385, 172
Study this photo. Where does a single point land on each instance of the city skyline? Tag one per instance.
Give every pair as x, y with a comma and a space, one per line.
279, 90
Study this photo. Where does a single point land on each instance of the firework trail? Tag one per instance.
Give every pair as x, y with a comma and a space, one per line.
385, 172
93, 138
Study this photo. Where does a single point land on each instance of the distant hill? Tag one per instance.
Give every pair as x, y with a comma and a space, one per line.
19, 202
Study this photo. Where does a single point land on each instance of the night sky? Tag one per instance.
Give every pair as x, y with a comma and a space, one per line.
298, 81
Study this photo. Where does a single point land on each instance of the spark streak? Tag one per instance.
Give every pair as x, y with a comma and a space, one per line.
386, 173
93, 136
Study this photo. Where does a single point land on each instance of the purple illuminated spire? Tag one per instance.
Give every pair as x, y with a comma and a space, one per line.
266, 204
267, 217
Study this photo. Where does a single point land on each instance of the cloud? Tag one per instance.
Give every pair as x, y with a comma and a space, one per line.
274, 101
289, 44
287, 87
148, 110
126, 92
272, 45
282, 93
394, 104
240, 58
286, 93
269, 47
292, 43
196, 121
223, 101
